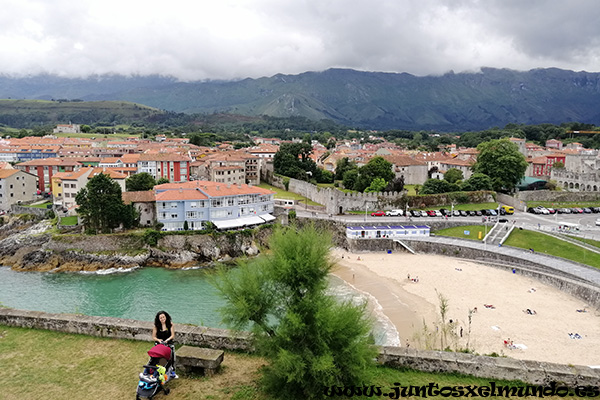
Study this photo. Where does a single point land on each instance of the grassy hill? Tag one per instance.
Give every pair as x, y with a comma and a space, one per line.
28, 112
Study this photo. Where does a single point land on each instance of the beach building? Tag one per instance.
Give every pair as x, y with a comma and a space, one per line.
387, 231
198, 202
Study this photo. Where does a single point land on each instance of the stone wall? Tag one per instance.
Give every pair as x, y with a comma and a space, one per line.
538, 373
551, 195
337, 202
566, 283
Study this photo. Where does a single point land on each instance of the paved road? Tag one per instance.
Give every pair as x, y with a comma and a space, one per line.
548, 223
586, 222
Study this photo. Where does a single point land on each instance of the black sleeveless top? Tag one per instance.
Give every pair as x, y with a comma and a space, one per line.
163, 335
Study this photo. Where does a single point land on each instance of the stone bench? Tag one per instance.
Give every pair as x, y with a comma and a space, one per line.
198, 359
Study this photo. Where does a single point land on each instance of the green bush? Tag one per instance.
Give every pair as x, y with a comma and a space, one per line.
151, 237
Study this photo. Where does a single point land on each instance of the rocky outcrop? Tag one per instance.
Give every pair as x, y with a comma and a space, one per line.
33, 248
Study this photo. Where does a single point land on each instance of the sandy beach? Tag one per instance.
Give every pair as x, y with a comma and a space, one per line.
467, 285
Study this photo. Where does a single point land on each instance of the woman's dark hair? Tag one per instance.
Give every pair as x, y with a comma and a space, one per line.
157, 323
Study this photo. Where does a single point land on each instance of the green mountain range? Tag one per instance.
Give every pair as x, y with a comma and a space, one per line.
375, 100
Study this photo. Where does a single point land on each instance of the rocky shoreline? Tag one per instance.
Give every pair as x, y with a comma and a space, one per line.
30, 246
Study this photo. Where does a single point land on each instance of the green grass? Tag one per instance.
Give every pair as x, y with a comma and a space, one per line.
283, 194
459, 231
546, 244
537, 241
72, 220
43, 205
48, 365
591, 242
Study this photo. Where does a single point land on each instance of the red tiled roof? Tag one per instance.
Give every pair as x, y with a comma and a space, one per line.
146, 196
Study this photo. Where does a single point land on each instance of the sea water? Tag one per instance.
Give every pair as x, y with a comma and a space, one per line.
187, 295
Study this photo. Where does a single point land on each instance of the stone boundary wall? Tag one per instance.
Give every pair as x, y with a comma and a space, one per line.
532, 372
40, 212
335, 201
518, 204
586, 292
551, 195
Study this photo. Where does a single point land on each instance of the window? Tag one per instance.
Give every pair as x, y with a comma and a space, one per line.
174, 204
191, 215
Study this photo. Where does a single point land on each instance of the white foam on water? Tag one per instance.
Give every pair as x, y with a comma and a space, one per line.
109, 271
384, 331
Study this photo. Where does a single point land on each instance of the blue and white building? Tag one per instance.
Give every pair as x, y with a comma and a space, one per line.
225, 205
387, 231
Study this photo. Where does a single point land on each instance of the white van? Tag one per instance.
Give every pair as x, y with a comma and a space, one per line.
394, 213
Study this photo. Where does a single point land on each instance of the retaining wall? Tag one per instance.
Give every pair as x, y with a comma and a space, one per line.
539, 271
538, 373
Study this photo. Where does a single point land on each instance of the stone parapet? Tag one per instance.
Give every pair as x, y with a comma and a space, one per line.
532, 372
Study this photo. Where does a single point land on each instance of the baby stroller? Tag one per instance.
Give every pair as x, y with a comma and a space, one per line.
157, 372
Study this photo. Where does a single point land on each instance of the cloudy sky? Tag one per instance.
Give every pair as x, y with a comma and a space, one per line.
229, 39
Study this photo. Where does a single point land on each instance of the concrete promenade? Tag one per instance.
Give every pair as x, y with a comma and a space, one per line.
584, 272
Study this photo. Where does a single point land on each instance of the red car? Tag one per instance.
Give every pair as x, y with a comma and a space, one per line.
378, 214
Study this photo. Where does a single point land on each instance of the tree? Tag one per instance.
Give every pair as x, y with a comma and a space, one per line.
101, 205
435, 186
377, 185
377, 167
162, 180
293, 160
395, 185
502, 162
453, 175
476, 182
343, 165
350, 178
310, 340
140, 182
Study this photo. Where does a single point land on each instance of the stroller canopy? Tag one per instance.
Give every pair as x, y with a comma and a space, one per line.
160, 351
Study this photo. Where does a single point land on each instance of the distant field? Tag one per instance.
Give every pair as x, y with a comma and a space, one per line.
473, 231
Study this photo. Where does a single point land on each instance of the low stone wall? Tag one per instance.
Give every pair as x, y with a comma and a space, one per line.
532, 372
120, 328
541, 272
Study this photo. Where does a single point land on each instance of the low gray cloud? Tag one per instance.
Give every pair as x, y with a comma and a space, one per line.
229, 39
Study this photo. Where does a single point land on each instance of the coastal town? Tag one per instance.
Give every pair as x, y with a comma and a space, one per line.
219, 184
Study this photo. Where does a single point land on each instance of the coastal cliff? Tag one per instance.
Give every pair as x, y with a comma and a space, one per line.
30, 246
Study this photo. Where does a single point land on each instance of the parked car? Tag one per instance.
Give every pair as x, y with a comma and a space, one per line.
595, 210
430, 213
456, 213
394, 213
503, 220
463, 213
576, 210
492, 213
472, 213
564, 211
587, 210
445, 212
424, 213
415, 213
478, 213
597, 221
552, 210
438, 213
377, 214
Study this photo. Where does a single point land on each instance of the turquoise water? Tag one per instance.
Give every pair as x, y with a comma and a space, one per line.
138, 294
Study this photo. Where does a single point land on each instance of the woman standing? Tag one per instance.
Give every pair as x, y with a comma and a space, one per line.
164, 332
